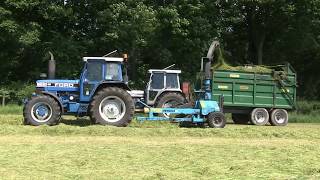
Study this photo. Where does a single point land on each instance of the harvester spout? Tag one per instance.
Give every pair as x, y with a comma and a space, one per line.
212, 48
210, 56
51, 67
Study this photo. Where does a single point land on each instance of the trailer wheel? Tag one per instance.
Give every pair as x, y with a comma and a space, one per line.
42, 110
259, 116
240, 118
216, 120
279, 117
170, 100
112, 106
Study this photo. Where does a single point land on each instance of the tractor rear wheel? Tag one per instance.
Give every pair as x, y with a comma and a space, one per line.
240, 118
259, 116
112, 106
216, 120
279, 117
170, 100
42, 110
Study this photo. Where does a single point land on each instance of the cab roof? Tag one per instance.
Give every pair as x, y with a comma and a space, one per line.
164, 71
108, 59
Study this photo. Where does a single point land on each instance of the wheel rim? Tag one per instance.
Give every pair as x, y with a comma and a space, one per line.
217, 120
260, 117
112, 109
280, 117
41, 112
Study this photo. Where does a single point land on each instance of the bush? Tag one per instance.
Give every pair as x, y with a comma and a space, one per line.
18, 91
308, 107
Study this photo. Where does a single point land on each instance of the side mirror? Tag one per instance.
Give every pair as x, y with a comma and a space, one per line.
43, 76
85, 81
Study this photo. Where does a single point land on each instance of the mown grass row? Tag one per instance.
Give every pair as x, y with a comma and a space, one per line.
71, 126
135, 157
75, 149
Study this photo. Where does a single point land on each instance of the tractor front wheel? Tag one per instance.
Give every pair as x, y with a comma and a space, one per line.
112, 106
42, 110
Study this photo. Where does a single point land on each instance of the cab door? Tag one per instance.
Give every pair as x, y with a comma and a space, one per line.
91, 78
156, 86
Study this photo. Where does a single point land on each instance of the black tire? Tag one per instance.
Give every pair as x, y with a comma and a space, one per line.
113, 97
259, 116
36, 106
170, 100
216, 120
240, 118
279, 117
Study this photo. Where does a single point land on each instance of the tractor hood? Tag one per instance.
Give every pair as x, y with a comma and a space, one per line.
58, 85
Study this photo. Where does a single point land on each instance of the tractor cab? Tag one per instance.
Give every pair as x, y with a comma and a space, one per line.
98, 70
161, 81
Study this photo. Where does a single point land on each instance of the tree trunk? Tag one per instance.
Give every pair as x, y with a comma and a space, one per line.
251, 51
133, 64
259, 48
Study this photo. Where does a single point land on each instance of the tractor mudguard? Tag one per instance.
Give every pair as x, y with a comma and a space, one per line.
54, 96
104, 84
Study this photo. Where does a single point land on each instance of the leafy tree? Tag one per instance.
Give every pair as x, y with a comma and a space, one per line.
157, 34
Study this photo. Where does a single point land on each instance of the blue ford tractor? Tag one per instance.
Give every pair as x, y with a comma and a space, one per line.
101, 92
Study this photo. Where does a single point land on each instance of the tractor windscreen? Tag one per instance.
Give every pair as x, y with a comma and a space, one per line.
157, 81
172, 81
94, 71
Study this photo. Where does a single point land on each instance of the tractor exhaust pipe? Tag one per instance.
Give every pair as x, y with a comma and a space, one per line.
51, 67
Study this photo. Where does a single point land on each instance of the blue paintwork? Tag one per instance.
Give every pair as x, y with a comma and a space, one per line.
42, 111
208, 106
73, 107
202, 107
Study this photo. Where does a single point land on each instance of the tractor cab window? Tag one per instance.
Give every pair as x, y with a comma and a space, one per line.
94, 71
172, 81
113, 72
157, 81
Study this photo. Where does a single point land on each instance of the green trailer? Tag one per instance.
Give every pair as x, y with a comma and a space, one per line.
259, 97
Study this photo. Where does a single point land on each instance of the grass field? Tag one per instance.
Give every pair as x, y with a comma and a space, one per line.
76, 150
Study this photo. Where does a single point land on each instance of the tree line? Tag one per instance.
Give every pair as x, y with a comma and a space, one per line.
158, 33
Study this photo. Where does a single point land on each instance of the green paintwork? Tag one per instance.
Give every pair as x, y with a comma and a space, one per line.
255, 89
